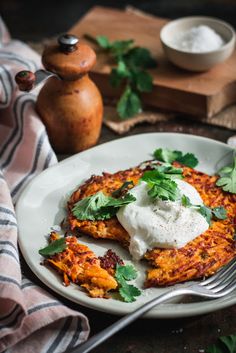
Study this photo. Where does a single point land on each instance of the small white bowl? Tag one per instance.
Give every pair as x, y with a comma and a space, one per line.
197, 61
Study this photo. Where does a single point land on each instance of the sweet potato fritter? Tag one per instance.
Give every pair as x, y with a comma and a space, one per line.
200, 257
77, 263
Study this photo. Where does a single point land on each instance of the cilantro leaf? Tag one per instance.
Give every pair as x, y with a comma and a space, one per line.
127, 291
186, 201
188, 159
129, 104
103, 42
165, 155
141, 58
121, 47
170, 171
128, 272
99, 206
225, 344
227, 178
54, 247
161, 185
219, 212
119, 73
205, 212
124, 186
169, 156
143, 81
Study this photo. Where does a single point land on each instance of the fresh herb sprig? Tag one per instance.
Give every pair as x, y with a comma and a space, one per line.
208, 213
169, 156
224, 344
161, 185
227, 180
100, 206
123, 274
54, 247
130, 71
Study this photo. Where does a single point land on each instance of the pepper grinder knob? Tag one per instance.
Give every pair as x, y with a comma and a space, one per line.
68, 43
25, 80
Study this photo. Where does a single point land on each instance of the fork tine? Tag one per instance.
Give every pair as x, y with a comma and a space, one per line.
224, 286
222, 281
230, 287
222, 272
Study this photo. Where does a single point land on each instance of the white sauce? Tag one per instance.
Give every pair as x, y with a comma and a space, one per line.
158, 223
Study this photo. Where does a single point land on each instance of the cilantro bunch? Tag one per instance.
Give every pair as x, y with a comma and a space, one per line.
130, 73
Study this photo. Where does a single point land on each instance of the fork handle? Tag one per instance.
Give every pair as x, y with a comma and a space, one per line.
102, 336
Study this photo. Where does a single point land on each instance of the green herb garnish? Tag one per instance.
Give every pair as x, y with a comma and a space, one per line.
100, 206
130, 71
127, 291
224, 344
124, 187
54, 247
227, 180
161, 185
170, 171
169, 156
208, 213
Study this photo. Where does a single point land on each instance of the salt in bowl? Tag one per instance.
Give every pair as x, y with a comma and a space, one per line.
197, 61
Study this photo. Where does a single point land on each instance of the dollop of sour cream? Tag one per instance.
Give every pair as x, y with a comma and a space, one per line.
163, 224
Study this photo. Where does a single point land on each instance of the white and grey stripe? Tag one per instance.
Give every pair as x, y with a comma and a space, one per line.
7, 87
17, 133
34, 167
29, 64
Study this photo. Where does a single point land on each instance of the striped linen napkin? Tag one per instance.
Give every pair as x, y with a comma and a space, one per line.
31, 320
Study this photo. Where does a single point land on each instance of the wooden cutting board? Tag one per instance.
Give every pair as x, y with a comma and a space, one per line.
200, 94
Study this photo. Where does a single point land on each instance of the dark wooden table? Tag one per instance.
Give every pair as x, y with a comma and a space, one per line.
190, 335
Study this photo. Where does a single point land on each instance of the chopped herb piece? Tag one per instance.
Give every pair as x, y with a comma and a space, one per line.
170, 171
161, 185
103, 42
224, 344
169, 156
124, 187
186, 201
99, 206
129, 104
187, 159
54, 247
227, 180
127, 291
207, 212
128, 272
219, 212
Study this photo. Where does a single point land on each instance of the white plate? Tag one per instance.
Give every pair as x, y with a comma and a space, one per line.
42, 205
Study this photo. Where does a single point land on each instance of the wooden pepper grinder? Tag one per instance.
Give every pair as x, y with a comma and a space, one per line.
69, 103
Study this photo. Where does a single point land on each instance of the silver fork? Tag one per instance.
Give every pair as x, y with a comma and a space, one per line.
216, 286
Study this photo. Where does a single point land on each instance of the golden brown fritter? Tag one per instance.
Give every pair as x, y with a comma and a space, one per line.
78, 264
200, 257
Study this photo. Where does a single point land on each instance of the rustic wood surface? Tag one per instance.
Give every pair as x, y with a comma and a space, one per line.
174, 89
191, 335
